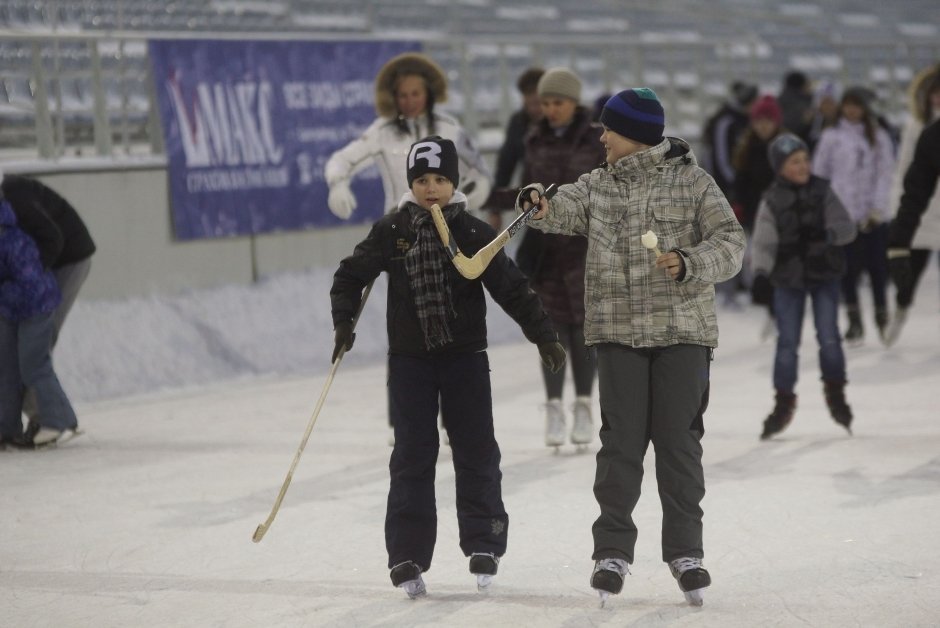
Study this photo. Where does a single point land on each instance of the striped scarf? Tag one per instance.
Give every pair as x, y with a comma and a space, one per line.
426, 263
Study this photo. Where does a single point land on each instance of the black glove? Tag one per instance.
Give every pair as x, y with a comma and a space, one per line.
553, 355
525, 195
344, 338
899, 265
762, 291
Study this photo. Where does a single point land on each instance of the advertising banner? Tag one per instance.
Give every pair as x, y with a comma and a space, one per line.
248, 127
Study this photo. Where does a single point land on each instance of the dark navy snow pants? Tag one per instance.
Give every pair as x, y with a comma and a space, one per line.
462, 383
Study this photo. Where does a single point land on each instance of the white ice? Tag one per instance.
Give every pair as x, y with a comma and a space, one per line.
147, 519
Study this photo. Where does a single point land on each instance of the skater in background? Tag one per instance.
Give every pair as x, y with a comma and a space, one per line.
857, 157
65, 247
753, 175
512, 152
796, 104
437, 340
924, 94
920, 185
29, 296
798, 254
562, 147
407, 88
723, 130
652, 321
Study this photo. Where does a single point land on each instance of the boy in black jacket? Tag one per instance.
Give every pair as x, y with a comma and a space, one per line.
436, 322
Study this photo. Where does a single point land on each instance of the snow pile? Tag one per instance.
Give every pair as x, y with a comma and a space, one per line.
280, 326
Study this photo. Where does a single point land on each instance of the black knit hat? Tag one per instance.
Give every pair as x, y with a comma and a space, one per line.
782, 147
636, 114
433, 154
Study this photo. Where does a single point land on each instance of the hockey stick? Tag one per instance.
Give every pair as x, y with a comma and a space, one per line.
263, 528
473, 267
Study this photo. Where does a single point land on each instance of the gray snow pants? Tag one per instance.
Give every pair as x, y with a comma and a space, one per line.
657, 394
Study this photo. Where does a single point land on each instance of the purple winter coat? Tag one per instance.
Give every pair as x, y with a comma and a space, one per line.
26, 288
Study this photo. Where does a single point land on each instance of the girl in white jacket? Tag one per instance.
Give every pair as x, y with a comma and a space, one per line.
857, 157
406, 90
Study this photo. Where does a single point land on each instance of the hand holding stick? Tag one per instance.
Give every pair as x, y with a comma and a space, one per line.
650, 241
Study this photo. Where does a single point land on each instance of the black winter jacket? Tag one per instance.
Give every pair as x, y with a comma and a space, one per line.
920, 181
384, 249
811, 226
50, 220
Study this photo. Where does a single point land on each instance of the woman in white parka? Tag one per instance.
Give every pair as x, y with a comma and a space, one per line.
924, 94
406, 90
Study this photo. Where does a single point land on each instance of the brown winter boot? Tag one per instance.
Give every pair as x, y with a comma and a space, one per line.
779, 419
838, 408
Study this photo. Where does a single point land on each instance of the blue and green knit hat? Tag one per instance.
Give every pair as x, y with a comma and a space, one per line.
635, 114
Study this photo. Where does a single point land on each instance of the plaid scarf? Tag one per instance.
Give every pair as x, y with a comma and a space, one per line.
426, 262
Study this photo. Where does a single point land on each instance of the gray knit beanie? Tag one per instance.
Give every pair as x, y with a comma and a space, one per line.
782, 147
560, 82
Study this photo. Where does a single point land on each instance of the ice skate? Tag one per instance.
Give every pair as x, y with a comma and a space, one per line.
780, 417
838, 407
38, 437
769, 328
554, 424
407, 576
692, 578
484, 567
895, 325
607, 577
582, 432
881, 321
855, 335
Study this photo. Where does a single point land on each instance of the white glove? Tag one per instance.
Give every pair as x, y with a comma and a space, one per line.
341, 200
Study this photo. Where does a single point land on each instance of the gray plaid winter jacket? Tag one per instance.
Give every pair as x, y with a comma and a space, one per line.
627, 300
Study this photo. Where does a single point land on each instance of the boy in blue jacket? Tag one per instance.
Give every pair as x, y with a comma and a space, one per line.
436, 323
28, 297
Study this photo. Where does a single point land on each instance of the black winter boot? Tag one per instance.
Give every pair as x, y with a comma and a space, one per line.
838, 408
855, 333
779, 419
881, 320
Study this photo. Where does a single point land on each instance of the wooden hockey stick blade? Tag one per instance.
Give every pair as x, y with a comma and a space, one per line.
473, 267
262, 529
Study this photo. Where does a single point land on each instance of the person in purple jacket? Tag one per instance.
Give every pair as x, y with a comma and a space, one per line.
29, 296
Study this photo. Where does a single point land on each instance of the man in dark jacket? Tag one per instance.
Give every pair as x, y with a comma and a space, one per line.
65, 247
920, 181
512, 152
722, 132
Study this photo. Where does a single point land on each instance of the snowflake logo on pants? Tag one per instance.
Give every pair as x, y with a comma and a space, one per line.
497, 527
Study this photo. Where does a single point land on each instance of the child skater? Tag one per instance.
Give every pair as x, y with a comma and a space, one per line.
651, 317
436, 322
800, 230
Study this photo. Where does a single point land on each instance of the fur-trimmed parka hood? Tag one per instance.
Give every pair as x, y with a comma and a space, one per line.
407, 64
917, 92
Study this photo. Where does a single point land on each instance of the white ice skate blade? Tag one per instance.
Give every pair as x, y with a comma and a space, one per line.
603, 595
695, 597
484, 581
414, 588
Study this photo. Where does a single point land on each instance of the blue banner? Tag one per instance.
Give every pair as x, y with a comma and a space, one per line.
249, 126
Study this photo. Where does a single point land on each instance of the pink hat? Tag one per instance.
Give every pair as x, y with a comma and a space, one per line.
767, 107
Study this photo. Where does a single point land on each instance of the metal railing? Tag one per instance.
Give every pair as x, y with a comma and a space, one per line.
84, 94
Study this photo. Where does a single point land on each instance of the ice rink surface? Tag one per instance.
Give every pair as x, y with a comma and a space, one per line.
147, 519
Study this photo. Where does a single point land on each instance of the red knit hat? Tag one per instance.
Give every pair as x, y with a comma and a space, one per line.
767, 107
